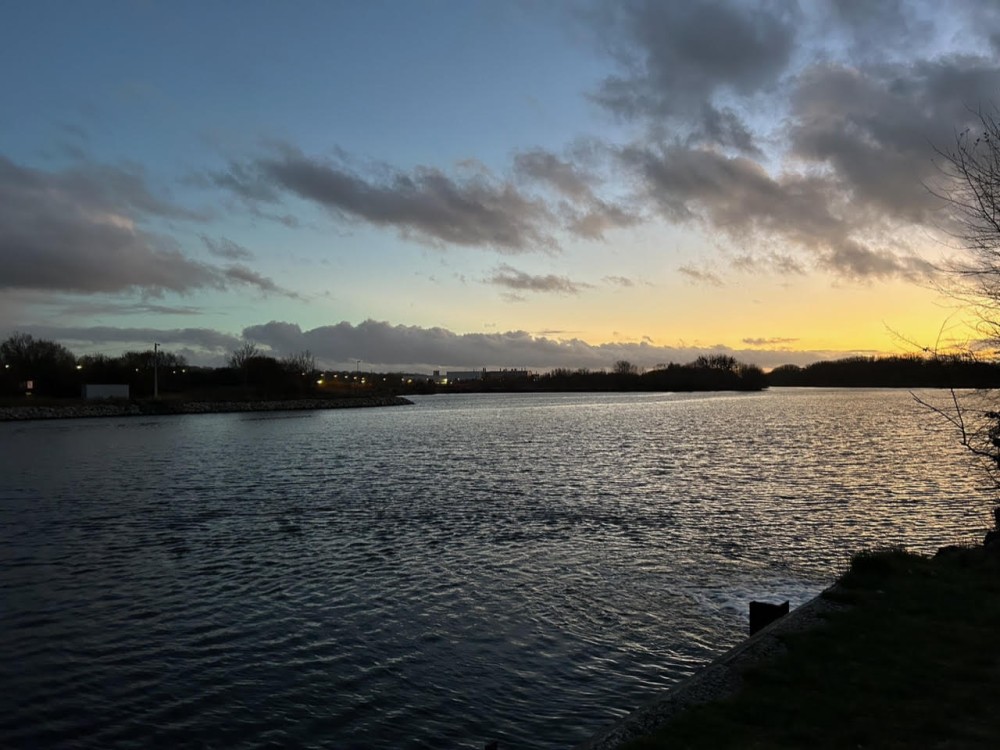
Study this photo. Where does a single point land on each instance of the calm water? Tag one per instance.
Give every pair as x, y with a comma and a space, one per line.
522, 568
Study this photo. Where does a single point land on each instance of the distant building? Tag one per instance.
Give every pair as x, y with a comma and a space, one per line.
454, 376
91, 391
505, 374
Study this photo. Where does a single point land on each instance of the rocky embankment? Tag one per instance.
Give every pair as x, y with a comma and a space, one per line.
147, 408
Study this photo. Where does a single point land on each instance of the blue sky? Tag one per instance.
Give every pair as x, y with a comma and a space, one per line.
463, 184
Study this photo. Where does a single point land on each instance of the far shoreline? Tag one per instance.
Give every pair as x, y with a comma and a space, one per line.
99, 409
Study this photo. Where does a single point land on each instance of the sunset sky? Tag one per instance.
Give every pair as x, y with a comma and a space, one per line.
484, 184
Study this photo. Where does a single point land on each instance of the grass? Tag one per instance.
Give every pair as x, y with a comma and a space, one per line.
913, 663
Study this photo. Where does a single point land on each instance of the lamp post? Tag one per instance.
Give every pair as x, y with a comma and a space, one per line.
156, 373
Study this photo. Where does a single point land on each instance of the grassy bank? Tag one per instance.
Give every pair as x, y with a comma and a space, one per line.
912, 663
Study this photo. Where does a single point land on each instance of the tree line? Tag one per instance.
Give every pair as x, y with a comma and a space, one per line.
958, 371
48, 369
706, 373
54, 371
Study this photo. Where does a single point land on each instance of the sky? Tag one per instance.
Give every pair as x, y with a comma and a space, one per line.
462, 184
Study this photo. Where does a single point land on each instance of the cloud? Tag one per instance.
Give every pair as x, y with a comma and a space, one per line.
512, 278
737, 196
809, 125
674, 57
563, 176
127, 308
596, 217
425, 204
875, 127
471, 208
725, 128
381, 345
203, 339
226, 248
245, 180
122, 187
619, 281
766, 262
80, 230
874, 27
584, 213
773, 341
242, 275
700, 275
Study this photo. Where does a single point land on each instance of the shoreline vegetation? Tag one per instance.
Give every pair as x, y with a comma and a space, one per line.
46, 368
32, 369
53, 409
900, 652
264, 384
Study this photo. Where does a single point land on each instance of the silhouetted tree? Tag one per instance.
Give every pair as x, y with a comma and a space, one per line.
304, 362
242, 354
972, 193
136, 369
624, 367
241, 357
721, 362
301, 369
50, 366
785, 375
971, 190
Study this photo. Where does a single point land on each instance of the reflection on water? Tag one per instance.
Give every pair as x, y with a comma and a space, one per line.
522, 568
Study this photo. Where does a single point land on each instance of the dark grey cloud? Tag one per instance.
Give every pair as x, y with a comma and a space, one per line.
226, 248
81, 230
381, 345
519, 281
737, 196
564, 176
203, 339
873, 28
584, 213
675, 57
853, 260
425, 204
725, 128
808, 124
876, 128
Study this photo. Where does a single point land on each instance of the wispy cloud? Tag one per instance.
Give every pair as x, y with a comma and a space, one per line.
772, 341
512, 278
700, 275
624, 281
226, 248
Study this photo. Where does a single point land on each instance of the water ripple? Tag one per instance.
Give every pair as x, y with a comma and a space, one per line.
522, 568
